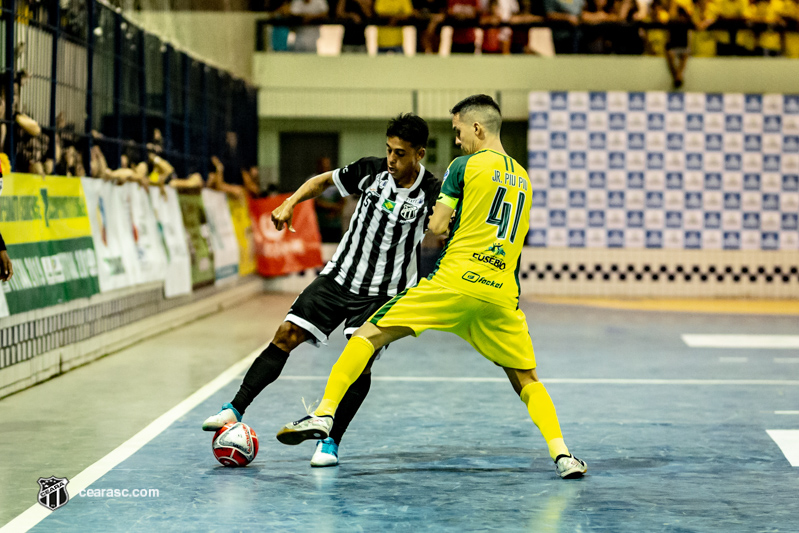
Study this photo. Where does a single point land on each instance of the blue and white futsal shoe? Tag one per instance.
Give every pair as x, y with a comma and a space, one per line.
307, 427
227, 415
326, 453
568, 466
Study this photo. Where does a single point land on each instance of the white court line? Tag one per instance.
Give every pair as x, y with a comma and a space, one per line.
786, 412
733, 359
775, 342
36, 513
788, 441
581, 381
786, 360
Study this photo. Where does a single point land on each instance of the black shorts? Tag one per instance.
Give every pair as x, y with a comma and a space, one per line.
324, 305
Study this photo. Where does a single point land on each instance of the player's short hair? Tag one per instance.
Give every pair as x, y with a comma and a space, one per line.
484, 110
410, 128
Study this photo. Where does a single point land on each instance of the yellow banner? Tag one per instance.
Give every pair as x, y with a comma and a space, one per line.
242, 223
35, 209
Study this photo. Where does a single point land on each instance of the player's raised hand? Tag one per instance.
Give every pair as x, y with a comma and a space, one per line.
283, 215
6, 269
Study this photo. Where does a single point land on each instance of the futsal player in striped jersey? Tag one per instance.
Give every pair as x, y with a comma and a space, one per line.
474, 291
377, 258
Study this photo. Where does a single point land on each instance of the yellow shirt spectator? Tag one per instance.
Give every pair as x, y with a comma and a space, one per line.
768, 12
391, 37
790, 10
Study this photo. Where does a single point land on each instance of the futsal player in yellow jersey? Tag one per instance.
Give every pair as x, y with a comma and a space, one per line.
474, 291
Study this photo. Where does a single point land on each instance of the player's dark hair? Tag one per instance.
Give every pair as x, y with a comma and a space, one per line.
485, 106
410, 128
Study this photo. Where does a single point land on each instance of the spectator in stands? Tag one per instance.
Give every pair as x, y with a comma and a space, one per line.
790, 16
677, 51
389, 38
597, 40
732, 42
468, 11
769, 12
310, 11
434, 11
704, 41
30, 144
530, 12
566, 35
496, 37
354, 13
656, 38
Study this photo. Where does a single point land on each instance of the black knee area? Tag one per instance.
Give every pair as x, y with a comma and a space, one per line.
289, 336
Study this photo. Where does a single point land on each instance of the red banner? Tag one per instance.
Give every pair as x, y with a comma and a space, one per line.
284, 252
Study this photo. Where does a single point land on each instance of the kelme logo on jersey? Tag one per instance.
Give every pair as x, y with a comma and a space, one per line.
474, 277
493, 258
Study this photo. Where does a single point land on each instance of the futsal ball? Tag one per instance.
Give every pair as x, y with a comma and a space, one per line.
235, 444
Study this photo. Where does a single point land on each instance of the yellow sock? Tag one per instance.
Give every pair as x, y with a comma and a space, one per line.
349, 366
542, 411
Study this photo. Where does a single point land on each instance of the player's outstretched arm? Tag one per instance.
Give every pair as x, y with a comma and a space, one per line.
310, 189
439, 220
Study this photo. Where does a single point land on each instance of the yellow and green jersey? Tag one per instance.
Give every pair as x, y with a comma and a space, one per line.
491, 195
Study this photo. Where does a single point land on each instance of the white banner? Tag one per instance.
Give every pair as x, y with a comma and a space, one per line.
149, 245
112, 233
169, 223
222, 236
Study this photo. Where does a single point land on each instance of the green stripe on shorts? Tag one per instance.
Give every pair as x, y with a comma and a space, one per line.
388, 305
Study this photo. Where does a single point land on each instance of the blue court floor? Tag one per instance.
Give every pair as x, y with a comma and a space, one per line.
675, 439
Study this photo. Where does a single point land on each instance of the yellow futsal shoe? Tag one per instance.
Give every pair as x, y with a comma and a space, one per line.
568, 466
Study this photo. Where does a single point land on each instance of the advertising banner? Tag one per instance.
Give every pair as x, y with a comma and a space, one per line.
147, 239
242, 224
113, 233
46, 226
221, 236
197, 235
169, 222
284, 252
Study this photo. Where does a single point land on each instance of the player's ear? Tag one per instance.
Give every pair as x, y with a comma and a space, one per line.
420, 153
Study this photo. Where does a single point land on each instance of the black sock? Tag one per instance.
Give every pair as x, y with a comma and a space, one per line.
349, 405
263, 371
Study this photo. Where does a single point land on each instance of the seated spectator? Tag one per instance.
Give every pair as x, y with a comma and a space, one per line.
790, 17
463, 38
769, 42
434, 11
732, 42
310, 11
656, 38
529, 13
598, 40
354, 13
497, 38
389, 38
566, 35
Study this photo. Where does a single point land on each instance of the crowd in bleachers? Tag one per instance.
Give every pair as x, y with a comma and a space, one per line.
704, 27
44, 128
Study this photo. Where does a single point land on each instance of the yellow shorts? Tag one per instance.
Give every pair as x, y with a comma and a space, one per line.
498, 334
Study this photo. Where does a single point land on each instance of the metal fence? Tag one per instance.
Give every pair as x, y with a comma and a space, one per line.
89, 77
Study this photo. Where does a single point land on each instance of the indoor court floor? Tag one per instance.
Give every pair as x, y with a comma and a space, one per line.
680, 433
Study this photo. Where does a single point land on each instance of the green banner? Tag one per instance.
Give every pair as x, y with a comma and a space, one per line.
46, 228
202, 258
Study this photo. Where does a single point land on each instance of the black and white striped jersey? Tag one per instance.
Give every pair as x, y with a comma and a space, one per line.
379, 255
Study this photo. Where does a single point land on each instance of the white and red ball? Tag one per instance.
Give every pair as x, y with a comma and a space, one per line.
235, 444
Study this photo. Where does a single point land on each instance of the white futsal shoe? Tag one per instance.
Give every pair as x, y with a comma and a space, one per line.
227, 415
568, 466
307, 427
326, 453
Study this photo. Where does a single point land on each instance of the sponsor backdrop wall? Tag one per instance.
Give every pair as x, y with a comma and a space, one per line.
639, 180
